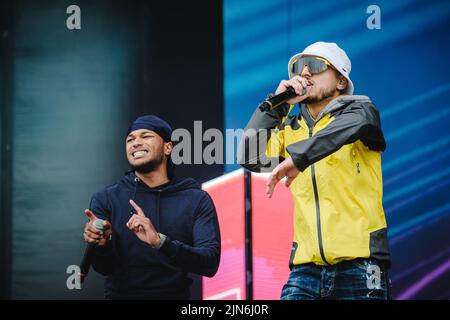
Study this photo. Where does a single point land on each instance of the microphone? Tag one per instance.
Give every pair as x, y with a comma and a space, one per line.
277, 100
88, 253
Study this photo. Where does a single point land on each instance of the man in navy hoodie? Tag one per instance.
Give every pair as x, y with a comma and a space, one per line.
157, 228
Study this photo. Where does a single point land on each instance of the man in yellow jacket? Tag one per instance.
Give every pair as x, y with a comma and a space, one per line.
330, 155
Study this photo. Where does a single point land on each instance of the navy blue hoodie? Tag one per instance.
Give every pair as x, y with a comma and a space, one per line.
181, 211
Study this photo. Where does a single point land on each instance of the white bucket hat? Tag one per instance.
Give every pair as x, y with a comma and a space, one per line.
335, 55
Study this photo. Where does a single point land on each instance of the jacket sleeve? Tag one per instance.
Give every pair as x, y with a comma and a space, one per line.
103, 259
357, 122
262, 145
203, 256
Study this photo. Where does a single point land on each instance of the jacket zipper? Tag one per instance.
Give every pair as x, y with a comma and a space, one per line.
316, 197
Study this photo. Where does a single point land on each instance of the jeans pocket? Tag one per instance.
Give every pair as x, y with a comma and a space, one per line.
359, 264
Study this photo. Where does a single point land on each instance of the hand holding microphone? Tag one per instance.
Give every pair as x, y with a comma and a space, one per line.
93, 234
291, 91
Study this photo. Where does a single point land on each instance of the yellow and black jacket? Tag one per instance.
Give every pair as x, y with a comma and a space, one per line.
338, 193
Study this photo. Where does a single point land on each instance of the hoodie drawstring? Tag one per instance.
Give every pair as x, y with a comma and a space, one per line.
136, 180
158, 198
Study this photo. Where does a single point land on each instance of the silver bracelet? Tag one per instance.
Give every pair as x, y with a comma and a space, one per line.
162, 238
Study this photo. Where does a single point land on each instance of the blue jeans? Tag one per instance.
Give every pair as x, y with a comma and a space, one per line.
359, 279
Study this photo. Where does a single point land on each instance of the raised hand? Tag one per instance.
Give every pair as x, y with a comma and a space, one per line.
142, 226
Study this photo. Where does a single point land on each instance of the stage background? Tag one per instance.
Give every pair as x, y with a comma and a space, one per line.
67, 97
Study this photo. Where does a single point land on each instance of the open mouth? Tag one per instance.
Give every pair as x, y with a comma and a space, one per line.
139, 154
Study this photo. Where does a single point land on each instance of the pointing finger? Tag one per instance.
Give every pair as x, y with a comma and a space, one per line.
137, 208
90, 215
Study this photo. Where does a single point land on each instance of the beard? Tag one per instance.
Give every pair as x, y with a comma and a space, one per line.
322, 95
148, 166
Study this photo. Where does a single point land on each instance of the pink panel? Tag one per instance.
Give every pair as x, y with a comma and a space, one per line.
227, 193
272, 238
